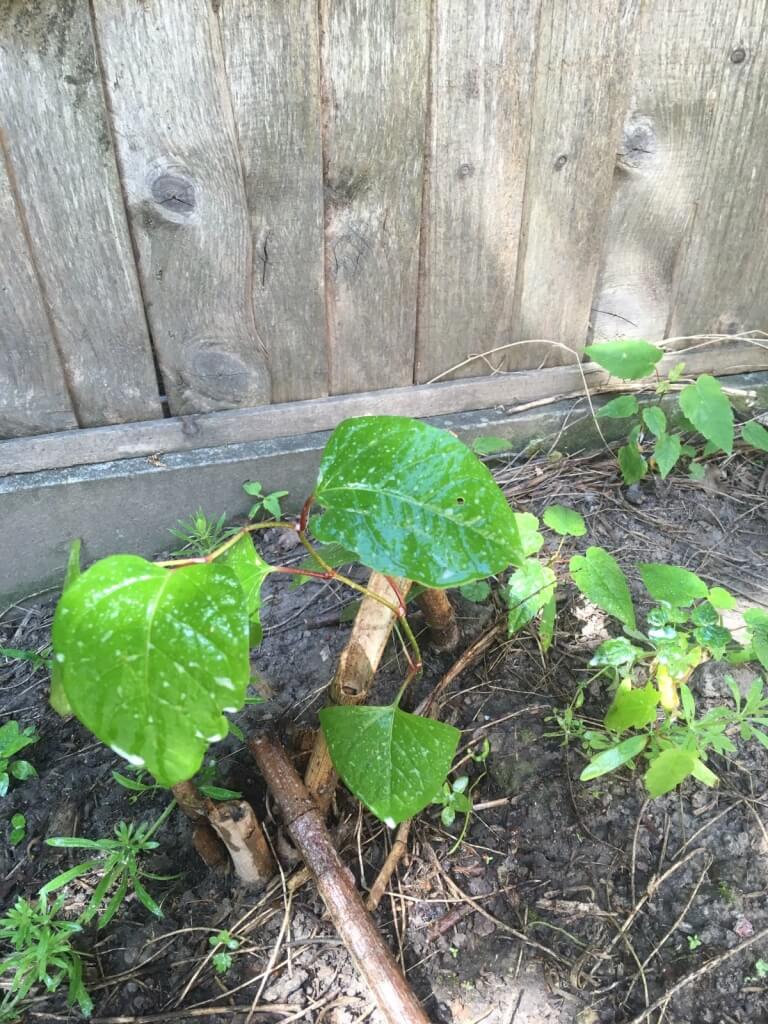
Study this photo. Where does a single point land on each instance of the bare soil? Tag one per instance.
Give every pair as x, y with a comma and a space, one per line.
565, 901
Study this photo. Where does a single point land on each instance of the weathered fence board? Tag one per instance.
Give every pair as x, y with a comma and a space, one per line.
680, 55
483, 59
176, 140
723, 273
375, 58
33, 393
513, 392
59, 143
271, 54
580, 83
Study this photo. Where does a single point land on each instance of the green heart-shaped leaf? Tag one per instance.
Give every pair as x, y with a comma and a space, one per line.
598, 576
529, 590
411, 500
632, 708
678, 587
149, 658
565, 521
251, 571
392, 761
705, 404
626, 358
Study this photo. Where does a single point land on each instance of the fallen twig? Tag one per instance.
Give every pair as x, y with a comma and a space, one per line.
304, 821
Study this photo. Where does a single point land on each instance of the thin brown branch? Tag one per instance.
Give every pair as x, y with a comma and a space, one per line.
394, 857
375, 963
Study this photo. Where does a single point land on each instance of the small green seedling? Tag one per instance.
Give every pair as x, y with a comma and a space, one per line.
40, 659
761, 969
653, 710
453, 799
200, 535
41, 953
18, 829
118, 861
12, 740
702, 408
135, 782
693, 942
222, 960
270, 503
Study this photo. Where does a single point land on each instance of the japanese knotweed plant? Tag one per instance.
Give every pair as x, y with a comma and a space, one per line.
655, 441
151, 656
653, 712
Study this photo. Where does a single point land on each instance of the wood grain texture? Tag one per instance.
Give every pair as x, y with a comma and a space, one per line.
60, 146
272, 61
180, 164
374, 57
721, 276
483, 63
33, 394
580, 77
681, 53
186, 433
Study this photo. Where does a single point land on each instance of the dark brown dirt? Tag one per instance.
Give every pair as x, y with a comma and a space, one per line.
553, 869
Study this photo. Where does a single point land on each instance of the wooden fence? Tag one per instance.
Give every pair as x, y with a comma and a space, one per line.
222, 204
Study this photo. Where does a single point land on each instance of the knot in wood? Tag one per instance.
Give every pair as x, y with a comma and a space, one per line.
561, 161
174, 192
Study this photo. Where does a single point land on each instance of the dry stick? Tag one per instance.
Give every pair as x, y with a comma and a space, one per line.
357, 666
440, 618
226, 827
304, 821
400, 844
710, 965
204, 839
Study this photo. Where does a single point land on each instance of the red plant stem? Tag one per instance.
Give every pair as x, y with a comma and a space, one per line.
304, 517
291, 571
400, 601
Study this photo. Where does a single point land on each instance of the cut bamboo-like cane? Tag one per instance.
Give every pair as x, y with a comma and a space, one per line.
210, 848
375, 963
239, 829
357, 666
440, 617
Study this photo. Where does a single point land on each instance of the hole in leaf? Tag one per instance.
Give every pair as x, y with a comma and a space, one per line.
459, 501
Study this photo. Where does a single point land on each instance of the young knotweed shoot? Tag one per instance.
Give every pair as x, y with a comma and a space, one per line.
12, 741
152, 656
650, 672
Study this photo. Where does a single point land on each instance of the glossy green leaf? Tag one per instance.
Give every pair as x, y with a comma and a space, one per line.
614, 757
716, 638
598, 576
705, 404
531, 540
565, 521
490, 445
57, 698
619, 408
670, 583
655, 420
151, 657
392, 761
632, 708
23, 770
754, 433
477, 592
721, 599
626, 358
666, 453
547, 623
251, 571
411, 500
530, 588
632, 464
704, 774
669, 769
757, 621
616, 652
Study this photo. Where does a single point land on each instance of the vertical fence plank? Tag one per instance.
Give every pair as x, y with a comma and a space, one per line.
580, 78
60, 147
374, 58
720, 285
33, 393
271, 54
480, 119
681, 53
181, 169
